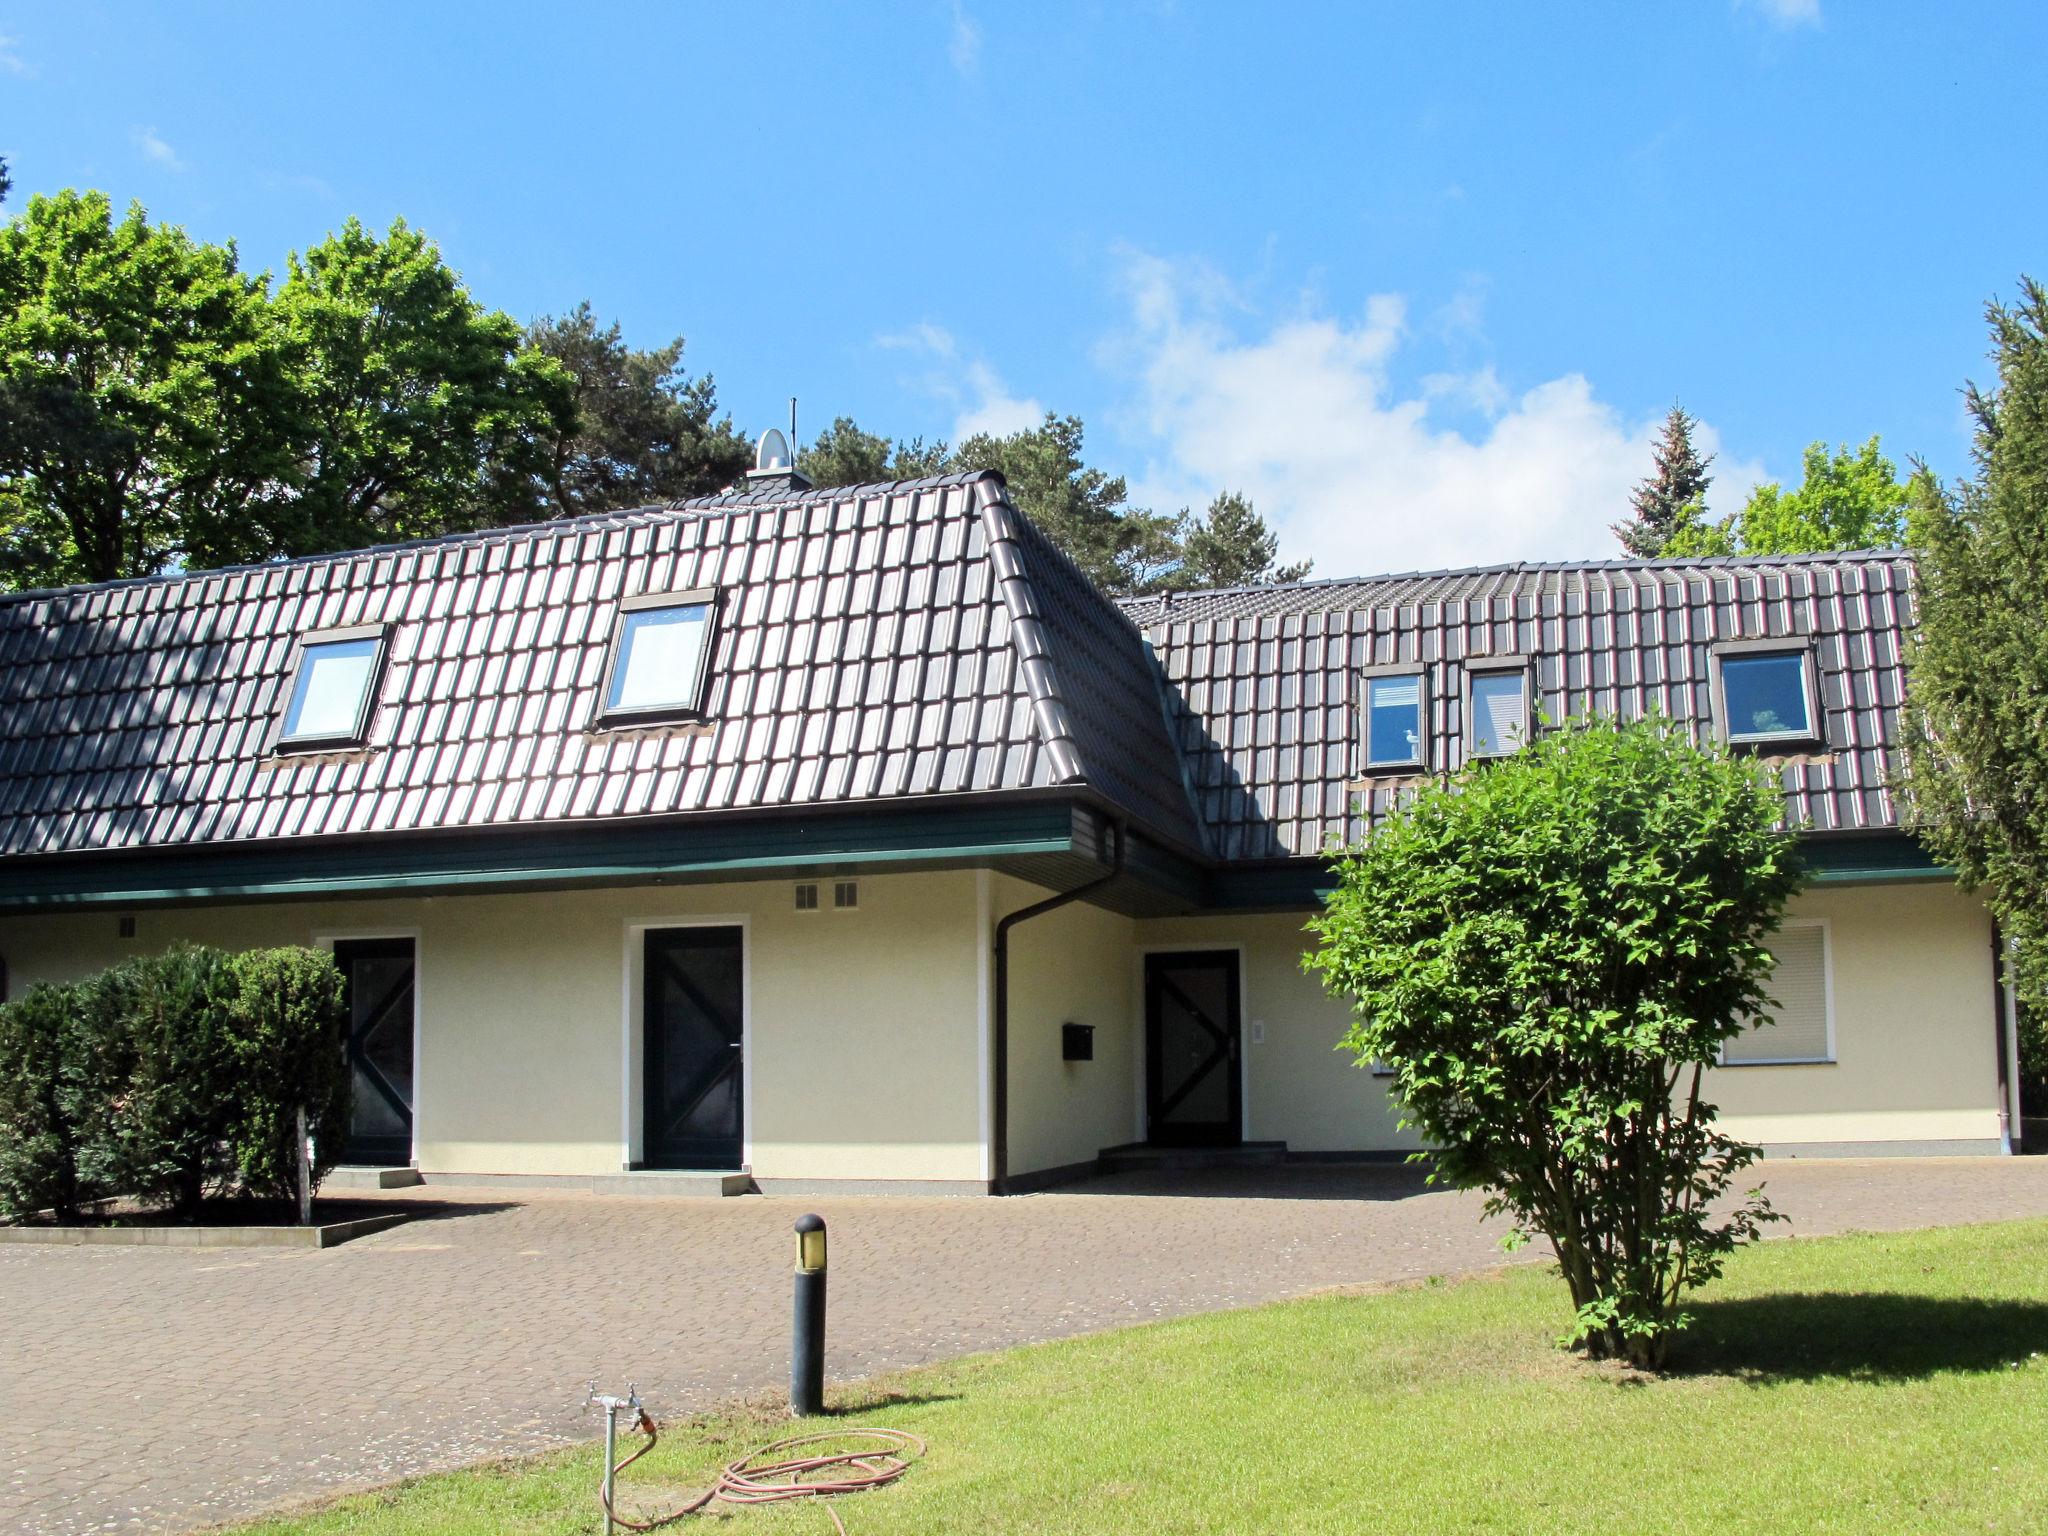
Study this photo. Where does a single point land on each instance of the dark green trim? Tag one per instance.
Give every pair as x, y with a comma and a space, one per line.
1858, 858
527, 858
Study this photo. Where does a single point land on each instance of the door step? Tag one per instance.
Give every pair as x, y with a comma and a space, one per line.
1140, 1157
358, 1177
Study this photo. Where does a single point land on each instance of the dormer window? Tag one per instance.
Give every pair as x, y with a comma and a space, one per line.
660, 647
1767, 697
334, 689
1393, 721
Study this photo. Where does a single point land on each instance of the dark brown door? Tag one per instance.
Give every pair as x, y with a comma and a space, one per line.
377, 983
1193, 1091
695, 1089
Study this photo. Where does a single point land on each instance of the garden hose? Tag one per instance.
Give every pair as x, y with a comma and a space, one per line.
754, 1479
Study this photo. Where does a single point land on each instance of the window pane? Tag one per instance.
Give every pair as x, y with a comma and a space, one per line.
1393, 720
1766, 695
1798, 989
660, 653
327, 700
1500, 720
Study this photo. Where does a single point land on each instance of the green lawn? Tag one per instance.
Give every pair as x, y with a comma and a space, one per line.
1864, 1383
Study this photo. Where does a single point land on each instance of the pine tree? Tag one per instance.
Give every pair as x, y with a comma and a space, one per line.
1231, 546
1673, 495
1976, 754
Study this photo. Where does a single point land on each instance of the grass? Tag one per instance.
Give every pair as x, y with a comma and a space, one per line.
1861, 1383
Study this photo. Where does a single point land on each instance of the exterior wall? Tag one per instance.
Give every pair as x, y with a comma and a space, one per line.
1298, 1088
863, 1027
1070, 966
1915, 1051
1912, 991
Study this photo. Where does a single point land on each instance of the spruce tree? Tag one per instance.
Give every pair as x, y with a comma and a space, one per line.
1674, 493
1976, 756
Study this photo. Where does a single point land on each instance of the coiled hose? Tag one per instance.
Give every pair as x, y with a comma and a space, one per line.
754, 1479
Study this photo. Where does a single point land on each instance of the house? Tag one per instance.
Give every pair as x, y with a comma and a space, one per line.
851, 838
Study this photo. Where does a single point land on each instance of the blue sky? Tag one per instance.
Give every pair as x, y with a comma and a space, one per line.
1420, 279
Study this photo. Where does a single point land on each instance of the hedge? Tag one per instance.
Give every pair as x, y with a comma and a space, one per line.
171, 1078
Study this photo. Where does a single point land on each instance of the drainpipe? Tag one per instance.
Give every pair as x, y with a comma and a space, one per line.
999, 1048
2002, 1025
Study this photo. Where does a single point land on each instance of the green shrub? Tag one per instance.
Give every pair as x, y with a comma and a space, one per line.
1547, 953
165, 1028
39, 1129
290, 1034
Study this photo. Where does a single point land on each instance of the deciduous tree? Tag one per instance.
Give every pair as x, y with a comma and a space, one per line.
428, 412
1547, 953
1845, 500
148, 413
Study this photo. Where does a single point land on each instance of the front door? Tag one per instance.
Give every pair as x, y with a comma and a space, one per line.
377, 983
695, 1006
1193, 1093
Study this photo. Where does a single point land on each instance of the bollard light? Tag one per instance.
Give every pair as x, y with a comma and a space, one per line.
807, 1336
810, 1243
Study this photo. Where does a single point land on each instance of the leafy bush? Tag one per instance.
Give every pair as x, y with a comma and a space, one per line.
1547, 953
165, 1027
171, 1077
287, 1009
39, 1129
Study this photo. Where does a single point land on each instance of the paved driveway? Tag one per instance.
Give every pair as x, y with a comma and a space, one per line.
159, 1389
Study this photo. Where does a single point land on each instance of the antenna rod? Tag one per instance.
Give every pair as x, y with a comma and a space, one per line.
792, 429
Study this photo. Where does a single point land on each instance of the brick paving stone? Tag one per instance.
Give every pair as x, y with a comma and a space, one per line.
160, 1389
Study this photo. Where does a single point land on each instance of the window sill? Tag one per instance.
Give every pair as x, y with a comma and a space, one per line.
1789, 1061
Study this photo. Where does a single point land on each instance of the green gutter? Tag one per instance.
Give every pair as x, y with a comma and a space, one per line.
526, 858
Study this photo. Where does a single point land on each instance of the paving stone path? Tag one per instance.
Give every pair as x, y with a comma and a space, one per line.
162, 1389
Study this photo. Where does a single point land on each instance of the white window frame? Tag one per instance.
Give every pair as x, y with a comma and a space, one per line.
282, 740
1517, 667
690, 707
1757, 650
1419, 763
1827, 983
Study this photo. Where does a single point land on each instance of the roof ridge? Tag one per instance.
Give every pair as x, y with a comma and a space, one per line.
1167, 599
646, 512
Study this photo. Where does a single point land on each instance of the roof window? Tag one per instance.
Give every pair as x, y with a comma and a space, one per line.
334, 688
659, 648
1393, 721
1766, 697
1498, 716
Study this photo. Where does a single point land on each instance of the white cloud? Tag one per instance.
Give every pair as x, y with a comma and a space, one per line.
1787, 13
1303, 416
11, 61
981, 402
155, 150
965, 45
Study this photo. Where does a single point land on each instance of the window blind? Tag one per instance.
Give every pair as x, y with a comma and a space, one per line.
1798, 988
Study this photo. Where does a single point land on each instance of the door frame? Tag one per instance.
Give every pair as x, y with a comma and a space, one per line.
633, 1035
1239, 1080
326, 939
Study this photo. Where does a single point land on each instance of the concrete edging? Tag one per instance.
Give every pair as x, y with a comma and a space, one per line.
328, 1235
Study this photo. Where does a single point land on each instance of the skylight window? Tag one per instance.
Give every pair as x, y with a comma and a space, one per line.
659, 650
1499, 714
1766, 698
333, 688
1393, 721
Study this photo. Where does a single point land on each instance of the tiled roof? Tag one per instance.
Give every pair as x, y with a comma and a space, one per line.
874, 642
1265, 679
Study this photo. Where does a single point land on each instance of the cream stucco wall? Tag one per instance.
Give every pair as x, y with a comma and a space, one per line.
1914, 1046
1071, 966
862, 1032
1915, 1058
1298, 1088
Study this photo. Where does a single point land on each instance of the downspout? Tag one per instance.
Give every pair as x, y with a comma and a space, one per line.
2002, 1022
999, 1045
